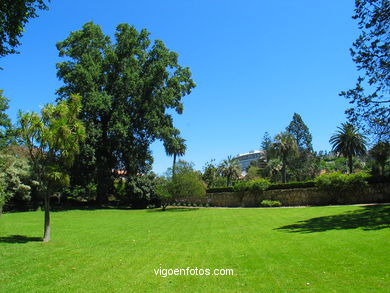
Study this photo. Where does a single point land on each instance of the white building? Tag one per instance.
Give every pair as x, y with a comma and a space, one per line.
245, 159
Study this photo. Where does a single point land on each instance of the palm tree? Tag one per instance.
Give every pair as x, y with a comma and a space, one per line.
381, 152
230, 169
285, 147
175, 146
348, 143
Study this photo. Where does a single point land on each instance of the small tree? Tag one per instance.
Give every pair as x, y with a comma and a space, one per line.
186, 183
163, 190
52, 139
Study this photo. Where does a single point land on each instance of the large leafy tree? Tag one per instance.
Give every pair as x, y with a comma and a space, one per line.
348, 142
126, 88
230, 169
53, 140
285, 148
14, 14
371, 53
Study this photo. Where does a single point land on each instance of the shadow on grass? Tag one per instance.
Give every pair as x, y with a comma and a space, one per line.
173, 210
19, 239
374, 217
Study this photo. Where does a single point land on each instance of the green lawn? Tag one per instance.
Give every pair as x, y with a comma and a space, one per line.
318, 249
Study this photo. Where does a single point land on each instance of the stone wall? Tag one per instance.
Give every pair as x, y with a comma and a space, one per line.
378, 192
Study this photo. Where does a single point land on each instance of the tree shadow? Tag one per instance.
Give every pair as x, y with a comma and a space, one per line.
173, 210
367, 218
19, 239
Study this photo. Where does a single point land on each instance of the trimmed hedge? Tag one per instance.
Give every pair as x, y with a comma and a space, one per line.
220, 189
272, 186
290, 185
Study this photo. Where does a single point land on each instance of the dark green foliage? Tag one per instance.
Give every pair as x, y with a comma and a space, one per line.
371, 53
80, 193
14, 14
220, 189
5, 123
300, 131
303, 166
270, 203
292, 184
381, 154
212, 177
266, 144
140, 191
126, 87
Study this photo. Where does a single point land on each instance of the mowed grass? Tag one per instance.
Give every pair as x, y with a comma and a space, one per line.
318, 249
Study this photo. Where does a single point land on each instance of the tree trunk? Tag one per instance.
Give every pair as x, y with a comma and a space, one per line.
284, 173
174, 165
350, 164
103, 182
381, 168
46, 235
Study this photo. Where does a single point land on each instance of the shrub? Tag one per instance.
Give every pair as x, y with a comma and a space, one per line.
270, 203
240, 186
258, 185
337, 184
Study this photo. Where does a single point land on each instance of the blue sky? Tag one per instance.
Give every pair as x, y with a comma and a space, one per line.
255, 63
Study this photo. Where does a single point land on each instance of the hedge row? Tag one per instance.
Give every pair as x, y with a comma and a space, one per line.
297, 184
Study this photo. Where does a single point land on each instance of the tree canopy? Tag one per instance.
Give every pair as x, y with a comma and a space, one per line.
300, 131
14, 14
126, 86
371, 53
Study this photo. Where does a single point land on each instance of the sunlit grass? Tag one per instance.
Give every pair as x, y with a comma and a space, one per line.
324, 249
